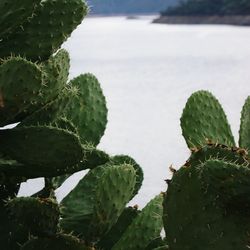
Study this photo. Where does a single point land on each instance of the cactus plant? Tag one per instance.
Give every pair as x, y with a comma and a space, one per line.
59, 126
206, 204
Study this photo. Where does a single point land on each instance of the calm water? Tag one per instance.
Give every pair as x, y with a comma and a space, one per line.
147, 72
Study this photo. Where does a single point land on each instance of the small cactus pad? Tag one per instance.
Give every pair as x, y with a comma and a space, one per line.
56, 72
203, 120
244, 140
98, 200
46, 151
78, 205
13, 13
88, 109
40, 216
114, 191
145, 227
198, 210
20, 84
59, 241
51, 24
121, 159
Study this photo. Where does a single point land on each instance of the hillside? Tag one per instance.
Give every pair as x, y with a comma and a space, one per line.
109, 7
208, 7
232, 12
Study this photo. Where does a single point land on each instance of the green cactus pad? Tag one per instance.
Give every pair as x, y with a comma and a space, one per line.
88, 110
145, 227
59, 241
121, 159
196, 213
217, 151
56, 72
204, 120
13, 13
42, 35
115, 233
93, 212
20, 84
78, 205
40, 216
113, 193
244, 139
45, 151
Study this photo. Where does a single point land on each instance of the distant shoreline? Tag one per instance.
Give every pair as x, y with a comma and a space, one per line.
227, 20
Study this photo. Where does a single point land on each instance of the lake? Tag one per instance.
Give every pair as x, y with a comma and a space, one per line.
147, 72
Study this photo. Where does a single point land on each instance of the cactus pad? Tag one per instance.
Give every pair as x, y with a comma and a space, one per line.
198, 210
203, 120
42, 35
113, 192
124, 159
20, 84
93, 212
56, 71
88, 109
46, 151
78, 205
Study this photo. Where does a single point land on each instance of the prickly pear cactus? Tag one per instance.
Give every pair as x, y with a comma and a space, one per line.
58, 124
207, 202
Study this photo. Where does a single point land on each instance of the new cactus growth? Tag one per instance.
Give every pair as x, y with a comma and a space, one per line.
206, 204
60, 124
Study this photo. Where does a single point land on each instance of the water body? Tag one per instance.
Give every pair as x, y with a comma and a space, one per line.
147, 72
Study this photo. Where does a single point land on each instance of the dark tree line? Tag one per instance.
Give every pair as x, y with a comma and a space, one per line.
210, 7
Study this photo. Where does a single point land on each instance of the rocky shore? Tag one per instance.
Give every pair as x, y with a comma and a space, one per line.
229, 20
